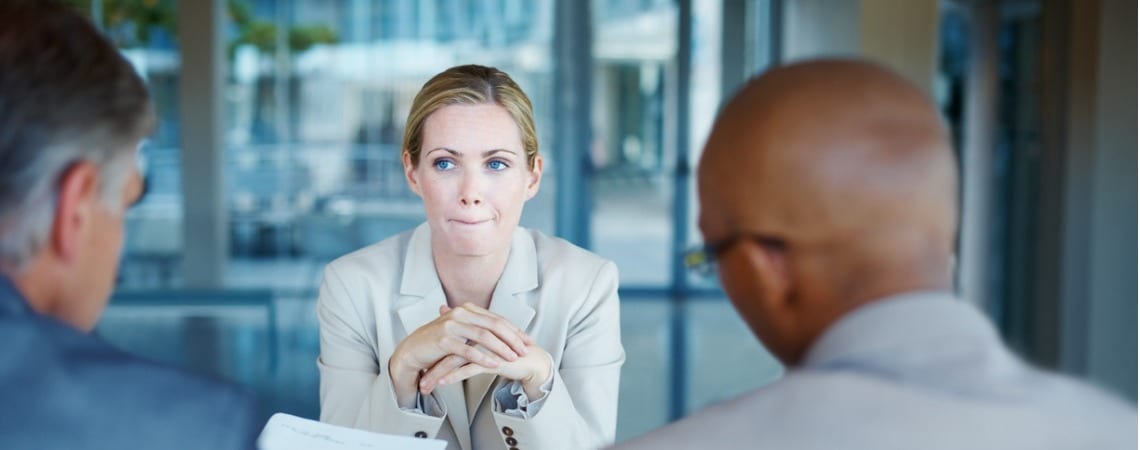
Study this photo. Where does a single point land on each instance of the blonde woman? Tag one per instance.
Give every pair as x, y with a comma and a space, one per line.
470, 328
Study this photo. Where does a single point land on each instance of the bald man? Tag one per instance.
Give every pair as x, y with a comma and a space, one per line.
828, 201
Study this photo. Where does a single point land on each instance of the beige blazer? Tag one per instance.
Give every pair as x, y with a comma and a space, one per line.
563, 296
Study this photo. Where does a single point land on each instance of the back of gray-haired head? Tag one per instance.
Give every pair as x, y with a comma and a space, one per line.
66, 95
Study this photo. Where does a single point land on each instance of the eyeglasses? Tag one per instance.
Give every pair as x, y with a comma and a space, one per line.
701, 260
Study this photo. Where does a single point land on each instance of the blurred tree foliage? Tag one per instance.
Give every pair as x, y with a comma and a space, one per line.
263, 33
130, 23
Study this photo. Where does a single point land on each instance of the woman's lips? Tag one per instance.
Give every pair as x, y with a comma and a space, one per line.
470, 222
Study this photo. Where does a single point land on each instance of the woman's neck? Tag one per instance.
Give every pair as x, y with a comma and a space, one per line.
469, 279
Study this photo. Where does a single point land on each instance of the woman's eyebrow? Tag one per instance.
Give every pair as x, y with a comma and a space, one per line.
453, 152
497, 150
486, 154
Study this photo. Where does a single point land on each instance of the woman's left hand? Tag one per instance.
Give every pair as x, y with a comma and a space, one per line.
532, 370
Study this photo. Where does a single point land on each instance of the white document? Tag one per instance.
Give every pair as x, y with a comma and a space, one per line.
289, 432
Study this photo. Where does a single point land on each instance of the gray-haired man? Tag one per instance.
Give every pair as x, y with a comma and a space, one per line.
72, 114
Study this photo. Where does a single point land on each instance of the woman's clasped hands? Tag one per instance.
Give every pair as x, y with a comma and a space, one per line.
461, 343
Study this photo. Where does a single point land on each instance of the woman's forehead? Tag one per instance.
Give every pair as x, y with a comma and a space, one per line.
472, 129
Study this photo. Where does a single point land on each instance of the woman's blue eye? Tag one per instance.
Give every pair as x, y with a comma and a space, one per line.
497, 165
443, 164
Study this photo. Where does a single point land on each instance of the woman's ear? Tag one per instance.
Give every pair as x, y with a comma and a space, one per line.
535, 177
78, 193
410, 173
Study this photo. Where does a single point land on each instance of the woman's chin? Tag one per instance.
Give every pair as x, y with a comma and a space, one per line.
474, 241
473, 246
472, 251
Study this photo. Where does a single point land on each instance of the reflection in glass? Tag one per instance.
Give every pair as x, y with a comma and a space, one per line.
633, 154
315, 125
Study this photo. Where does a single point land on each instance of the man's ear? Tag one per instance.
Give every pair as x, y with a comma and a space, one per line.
78, 195
410, 173
771, 267
785, 318
535, 177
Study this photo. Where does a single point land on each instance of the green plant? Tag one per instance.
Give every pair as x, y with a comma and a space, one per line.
262, 34
130, 23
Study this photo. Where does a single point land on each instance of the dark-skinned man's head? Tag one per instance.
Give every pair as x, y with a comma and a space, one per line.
826, 185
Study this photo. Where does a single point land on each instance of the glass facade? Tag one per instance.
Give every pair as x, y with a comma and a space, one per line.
315, 97
314, 118
314, 128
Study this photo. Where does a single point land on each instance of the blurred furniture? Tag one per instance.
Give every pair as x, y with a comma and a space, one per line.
231, 334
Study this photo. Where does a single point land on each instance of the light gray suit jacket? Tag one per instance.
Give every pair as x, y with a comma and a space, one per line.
917, 371
562, 296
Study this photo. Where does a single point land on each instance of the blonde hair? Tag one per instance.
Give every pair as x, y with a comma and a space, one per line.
470, 85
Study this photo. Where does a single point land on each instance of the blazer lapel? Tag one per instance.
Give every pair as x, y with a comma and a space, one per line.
519, 277
421, 295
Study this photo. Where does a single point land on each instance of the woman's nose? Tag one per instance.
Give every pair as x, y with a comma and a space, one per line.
470, 200
469, 194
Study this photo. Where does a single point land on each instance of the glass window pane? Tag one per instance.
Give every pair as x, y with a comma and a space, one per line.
633, 154
643, 398
317, 118
704, 101
725, 359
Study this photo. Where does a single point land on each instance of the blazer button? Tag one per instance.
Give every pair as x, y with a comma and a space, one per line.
512, 441
421, 435
508, 431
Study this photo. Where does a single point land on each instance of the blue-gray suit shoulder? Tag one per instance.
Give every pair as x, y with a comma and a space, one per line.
63, 389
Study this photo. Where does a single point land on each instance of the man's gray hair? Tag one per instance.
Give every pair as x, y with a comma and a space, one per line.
66, 96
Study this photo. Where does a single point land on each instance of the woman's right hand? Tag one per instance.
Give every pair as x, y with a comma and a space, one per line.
469, 331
